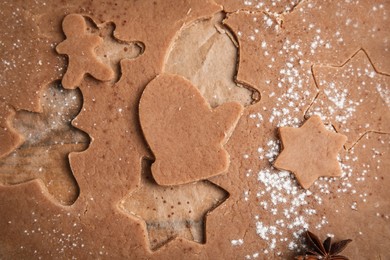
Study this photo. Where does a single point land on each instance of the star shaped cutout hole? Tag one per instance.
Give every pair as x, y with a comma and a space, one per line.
353, 97
92, 49
310, 151
48, 139
173, 211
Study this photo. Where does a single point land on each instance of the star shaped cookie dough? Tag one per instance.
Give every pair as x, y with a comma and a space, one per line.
173, 211
310, 151
354, 98
80, 47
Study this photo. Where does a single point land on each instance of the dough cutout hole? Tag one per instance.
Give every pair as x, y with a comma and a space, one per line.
172, 211
48, 139
206, 54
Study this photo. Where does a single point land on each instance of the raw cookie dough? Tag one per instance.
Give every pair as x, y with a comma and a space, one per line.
184, 133
48, 137
9, 136
266, 211
111, 167
271, 6
205, 53
353, 97
310, 151
173, 211
80, 47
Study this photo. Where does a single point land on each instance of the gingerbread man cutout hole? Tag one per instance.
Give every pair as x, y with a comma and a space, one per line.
48, 138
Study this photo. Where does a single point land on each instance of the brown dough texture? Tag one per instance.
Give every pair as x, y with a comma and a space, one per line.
80, 47
173, 211
206, 54
109, 116
49, 137
353, 97
10, 138
282, 50
310, 151
185, 134
271, 6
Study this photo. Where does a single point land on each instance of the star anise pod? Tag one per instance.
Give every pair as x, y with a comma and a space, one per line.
323, 251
